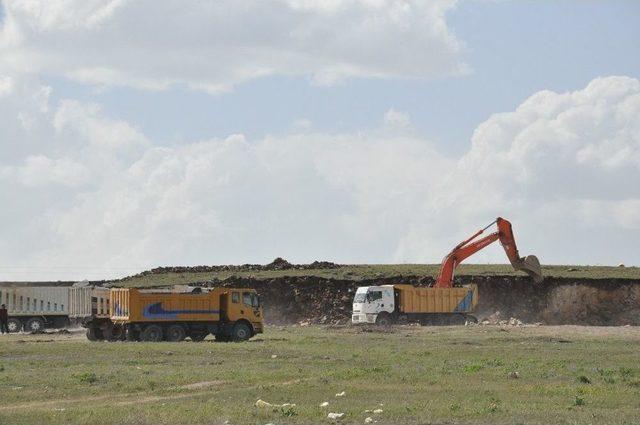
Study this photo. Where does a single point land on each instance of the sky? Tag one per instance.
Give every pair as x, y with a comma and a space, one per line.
135, 134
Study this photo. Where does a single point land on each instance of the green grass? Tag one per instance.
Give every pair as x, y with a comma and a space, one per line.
360, 272
416, 375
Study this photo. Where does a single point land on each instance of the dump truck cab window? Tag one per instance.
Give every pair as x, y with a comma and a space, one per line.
374, 296
235, 297
246, 299
255, 300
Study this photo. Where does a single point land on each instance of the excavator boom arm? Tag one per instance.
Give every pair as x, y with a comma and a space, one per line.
470, 246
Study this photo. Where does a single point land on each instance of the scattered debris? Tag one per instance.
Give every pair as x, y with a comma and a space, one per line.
514, 375
342, 394
324, 404
335, 416
378, 411
262, 403
368, 420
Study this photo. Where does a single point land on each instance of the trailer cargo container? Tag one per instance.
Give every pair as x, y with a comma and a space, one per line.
404, 303
153, 315
32, 308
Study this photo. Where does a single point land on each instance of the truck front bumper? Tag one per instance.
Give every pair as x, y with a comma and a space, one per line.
357, 318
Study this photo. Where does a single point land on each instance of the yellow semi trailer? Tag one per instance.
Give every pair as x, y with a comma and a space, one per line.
157, 315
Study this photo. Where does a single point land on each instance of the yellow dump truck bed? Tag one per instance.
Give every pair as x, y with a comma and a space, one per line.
437, 300
134, 305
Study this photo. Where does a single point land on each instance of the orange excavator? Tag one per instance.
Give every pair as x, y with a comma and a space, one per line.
468, 247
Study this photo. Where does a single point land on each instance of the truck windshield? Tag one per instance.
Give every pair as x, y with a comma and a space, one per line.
359, 298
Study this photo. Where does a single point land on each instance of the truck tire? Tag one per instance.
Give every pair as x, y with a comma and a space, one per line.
34, 325
241, 332
384, 319
175, 333
151, 333
197, 336
132, 334
115, 333
94, 334
14, 325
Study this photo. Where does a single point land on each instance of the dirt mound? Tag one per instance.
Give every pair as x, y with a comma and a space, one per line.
310, 299
277, 264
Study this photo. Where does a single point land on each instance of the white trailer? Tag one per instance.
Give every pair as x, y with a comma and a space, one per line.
88, 302
32, 308
89, 305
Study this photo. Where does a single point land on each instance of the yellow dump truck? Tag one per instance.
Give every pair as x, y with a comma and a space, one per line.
156, 315
387, 304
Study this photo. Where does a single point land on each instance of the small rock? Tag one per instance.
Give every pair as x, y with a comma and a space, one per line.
274, 356
514, 375
368, 420
324, 404
335, 416
378, 411
342, 394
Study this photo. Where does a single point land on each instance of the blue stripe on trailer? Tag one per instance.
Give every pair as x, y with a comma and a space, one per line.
465, 304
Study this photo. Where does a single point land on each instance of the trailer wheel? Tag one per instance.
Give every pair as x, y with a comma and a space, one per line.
116, 333
151, 333
34, 325
14, 325
198, 336
175, 333
384, 319
241, 332
93, 334
132, 334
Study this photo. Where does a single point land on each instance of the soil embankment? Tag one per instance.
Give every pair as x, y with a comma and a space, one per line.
556, 301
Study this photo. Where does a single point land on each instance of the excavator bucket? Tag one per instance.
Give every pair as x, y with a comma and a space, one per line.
531, 265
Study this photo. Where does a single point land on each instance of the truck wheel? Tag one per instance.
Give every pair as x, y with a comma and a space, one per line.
198, 336
132, 334
175, 333
14, 325
241, 332
151, 333
116, 333
92, 333
34, 325
384, 319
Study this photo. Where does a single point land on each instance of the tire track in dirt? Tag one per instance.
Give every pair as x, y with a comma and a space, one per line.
128, 399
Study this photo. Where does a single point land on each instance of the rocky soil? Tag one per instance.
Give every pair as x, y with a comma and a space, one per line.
557, 301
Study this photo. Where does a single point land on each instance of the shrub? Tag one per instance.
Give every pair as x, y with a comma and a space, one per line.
87, 377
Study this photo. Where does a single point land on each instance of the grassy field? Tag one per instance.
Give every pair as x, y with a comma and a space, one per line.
418, 375
359, 272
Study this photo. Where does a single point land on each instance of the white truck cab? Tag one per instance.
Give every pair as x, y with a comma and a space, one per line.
370, 301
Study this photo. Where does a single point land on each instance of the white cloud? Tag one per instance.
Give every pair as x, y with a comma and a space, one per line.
562, 166
397, 119
212, 46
